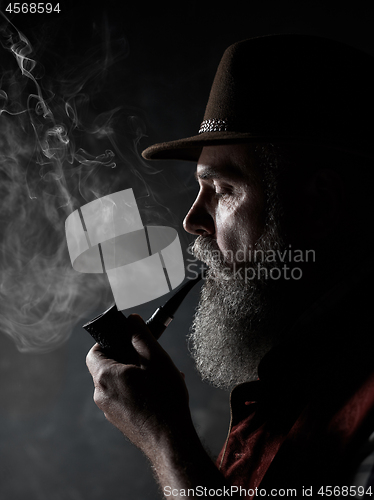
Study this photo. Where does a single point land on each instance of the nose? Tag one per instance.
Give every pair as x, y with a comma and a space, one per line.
198, 220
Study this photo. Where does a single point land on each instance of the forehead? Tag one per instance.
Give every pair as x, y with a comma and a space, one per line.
232, 161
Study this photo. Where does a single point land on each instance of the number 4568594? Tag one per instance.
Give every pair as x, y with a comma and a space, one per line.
32, 8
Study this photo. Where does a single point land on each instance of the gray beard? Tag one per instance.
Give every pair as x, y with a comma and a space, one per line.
234, 325
237, 320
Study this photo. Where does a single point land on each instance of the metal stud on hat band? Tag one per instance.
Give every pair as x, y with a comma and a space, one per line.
213, 125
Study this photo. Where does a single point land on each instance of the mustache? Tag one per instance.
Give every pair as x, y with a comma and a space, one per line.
207, 250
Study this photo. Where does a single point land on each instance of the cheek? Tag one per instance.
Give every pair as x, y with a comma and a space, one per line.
240, 225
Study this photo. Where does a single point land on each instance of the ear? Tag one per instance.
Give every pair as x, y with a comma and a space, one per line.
324, 203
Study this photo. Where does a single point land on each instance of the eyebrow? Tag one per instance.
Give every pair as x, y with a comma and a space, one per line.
208, 174
211, 173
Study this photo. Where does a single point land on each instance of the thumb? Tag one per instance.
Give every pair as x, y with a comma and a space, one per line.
141, 337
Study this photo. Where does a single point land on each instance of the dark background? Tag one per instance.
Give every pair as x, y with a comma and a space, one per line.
54, 443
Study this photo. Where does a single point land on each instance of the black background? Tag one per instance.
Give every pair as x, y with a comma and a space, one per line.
54, 443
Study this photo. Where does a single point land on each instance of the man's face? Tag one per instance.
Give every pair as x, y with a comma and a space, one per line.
230, 205
234, 323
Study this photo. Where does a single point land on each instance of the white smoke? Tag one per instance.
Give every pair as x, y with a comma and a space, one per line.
55, 155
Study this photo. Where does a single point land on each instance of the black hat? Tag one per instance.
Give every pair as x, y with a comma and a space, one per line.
286, 88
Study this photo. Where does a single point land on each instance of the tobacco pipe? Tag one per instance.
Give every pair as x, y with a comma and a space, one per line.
109, 327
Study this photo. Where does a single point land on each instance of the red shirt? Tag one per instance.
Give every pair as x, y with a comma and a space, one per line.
304, 422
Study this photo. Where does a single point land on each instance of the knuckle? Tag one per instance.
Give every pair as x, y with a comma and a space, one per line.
102, 377
100, 399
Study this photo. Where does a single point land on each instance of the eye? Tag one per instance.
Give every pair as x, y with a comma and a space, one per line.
221, 190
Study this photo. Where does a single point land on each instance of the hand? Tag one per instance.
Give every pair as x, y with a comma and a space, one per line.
148, 401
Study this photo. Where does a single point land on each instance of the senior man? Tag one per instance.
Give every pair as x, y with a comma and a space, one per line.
283, 221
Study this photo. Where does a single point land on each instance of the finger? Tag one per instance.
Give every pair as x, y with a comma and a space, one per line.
96, 358
92, 357
142, 339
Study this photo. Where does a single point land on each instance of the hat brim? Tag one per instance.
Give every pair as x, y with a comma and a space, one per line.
190, 148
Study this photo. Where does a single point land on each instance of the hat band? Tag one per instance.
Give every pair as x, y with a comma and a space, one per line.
213, 125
